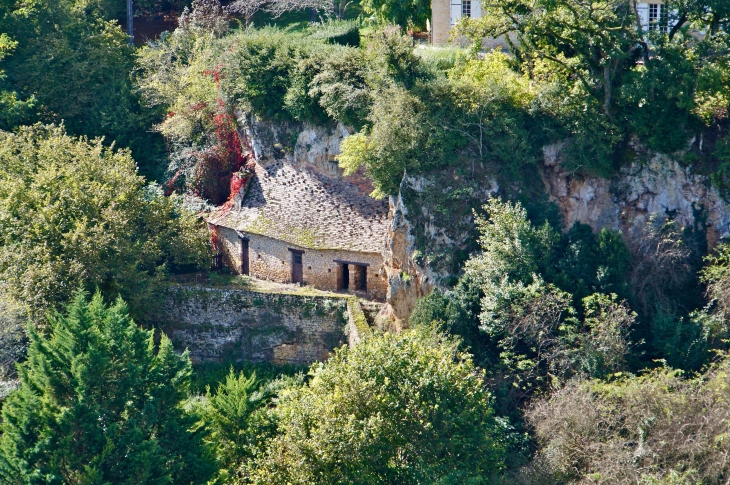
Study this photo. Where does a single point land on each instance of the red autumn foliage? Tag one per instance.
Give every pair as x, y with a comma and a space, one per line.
213, 177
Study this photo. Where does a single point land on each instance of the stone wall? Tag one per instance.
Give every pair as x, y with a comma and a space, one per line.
270, 259
440, 21
229, 324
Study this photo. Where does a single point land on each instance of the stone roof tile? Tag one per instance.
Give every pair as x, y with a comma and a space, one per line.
308, 209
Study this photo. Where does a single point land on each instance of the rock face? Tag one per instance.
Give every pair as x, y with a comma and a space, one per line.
407, 281
658, 185
423, 238
431, 228
299, 144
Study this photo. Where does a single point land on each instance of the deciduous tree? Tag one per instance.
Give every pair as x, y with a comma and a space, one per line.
395, 409
75, 213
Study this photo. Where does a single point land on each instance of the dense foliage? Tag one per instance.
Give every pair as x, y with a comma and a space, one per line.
664, 85
100, 402
394, 409
416, 110
604, 357
68, 60
657, 428
75, 213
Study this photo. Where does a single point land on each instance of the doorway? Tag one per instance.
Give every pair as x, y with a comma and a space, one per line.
343, 277
244, 256
361, 278
297, 269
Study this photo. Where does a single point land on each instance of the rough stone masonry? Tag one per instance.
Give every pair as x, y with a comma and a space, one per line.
217, 324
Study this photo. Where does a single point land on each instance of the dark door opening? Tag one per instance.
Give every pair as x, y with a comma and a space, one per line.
361, 278
244, 256
343, 277
297, 269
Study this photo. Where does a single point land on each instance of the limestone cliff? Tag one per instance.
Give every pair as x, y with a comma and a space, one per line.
421, 240
301, 144
432, 233
654, 184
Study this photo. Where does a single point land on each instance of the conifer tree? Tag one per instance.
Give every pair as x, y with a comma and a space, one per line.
100, 403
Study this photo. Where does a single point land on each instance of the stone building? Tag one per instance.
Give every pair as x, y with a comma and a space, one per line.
445, 13
294, 222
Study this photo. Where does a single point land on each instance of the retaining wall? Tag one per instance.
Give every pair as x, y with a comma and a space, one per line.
217, 324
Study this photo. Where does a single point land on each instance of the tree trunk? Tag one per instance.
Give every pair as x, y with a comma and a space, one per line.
607, 91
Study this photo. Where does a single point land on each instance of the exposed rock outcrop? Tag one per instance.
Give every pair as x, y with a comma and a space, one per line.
431, 228
407, 281
423, 238
300, 144
658, 184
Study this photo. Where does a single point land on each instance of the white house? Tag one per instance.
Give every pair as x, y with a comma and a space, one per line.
445, 14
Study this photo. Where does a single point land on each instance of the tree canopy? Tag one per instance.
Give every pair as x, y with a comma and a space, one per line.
76, 213
394, 409
101, 402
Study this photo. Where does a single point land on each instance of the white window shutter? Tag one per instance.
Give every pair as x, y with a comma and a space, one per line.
476, 9
455, 11
643, 10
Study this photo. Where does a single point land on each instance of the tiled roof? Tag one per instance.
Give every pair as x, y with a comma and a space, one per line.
308, 209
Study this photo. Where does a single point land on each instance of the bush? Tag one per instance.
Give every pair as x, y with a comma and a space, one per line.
393, 142
269, 71
97, 404
522, 327
394, 409
410, 13
341, 87
657, 428
237, 418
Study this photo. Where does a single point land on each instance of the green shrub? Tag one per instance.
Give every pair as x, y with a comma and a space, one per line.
75, 213
441, 58
341, 87
392, 144
409, 13
405, 408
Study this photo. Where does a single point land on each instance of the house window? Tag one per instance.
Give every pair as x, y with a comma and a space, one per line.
466, 8
657, 17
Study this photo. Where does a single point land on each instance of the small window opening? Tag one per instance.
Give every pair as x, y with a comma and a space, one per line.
466, 8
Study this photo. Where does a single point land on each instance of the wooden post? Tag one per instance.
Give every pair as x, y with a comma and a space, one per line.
130, 21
